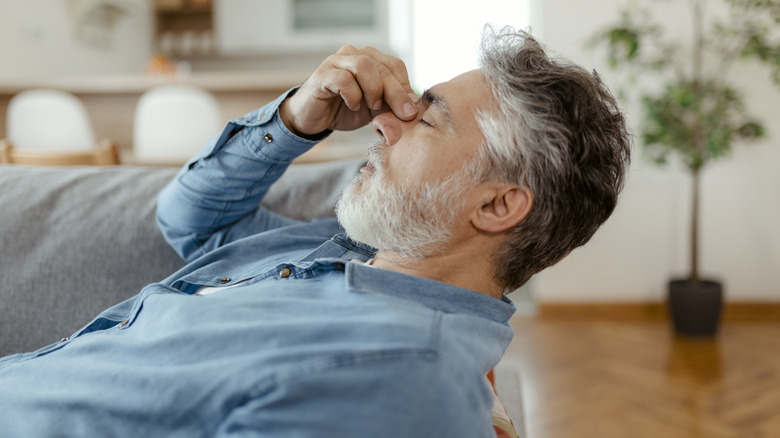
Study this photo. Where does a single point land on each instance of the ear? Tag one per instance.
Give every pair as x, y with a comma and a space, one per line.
503, 206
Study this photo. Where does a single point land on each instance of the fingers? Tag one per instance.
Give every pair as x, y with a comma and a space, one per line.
341, 83
376, 78
348, 89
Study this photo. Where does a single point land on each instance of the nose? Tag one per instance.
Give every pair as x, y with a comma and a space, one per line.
389, 127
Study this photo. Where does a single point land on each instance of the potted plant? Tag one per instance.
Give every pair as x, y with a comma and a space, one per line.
693, 113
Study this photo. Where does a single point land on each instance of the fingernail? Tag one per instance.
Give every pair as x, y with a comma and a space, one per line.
414, 98
377, 105
410, 110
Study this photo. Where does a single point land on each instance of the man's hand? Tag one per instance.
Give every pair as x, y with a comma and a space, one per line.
347, 90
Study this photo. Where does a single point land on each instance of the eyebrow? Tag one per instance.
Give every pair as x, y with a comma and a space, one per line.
432, 99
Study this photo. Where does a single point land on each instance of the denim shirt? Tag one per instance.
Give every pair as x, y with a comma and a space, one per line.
307, 340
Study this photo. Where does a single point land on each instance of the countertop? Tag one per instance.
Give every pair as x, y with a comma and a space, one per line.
138, 83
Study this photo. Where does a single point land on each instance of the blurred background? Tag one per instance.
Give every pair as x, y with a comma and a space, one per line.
245, 52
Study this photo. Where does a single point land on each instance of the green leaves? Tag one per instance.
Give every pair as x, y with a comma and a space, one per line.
696, 114
623, 44
757, 46
697, 121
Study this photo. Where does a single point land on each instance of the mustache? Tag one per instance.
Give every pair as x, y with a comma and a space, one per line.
375, 156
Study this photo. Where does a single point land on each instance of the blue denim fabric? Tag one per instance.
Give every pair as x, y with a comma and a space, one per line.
309, 341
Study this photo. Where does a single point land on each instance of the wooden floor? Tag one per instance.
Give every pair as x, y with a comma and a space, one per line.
600, 376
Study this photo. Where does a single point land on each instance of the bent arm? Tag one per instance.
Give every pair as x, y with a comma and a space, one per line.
215, 199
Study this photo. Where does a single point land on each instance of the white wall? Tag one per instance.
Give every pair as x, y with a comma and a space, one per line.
632, 256
39, 39
646, 241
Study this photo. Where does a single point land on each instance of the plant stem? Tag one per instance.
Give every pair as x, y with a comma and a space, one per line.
694, 275
698, 137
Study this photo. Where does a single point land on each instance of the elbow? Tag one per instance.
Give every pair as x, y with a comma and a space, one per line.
184, 242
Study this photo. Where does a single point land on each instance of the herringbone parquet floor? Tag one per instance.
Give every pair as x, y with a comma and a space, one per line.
595, 377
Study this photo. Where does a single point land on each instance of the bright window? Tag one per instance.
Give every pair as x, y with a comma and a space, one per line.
445, 35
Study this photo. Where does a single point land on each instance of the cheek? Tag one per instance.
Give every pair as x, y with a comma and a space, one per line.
405, 162
426, 159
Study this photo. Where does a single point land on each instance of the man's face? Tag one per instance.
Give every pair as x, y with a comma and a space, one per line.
412, 196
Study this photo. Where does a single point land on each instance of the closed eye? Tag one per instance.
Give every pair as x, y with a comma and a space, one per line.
436, 103
422, 121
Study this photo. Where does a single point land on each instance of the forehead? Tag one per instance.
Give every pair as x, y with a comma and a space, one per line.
464, 95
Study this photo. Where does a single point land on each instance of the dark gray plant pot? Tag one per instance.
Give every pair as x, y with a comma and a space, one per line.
695, 307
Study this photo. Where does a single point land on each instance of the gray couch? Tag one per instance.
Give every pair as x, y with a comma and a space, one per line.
76, 240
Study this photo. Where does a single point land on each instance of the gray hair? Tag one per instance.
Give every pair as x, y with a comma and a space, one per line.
558, 131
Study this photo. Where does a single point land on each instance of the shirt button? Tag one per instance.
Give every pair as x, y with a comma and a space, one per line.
260, 117
285, 272
224, 280
268, 138
65, 339
123, 323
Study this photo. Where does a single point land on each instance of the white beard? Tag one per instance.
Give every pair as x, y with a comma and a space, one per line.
412, 219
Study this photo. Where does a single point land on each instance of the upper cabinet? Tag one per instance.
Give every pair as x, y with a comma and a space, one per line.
184, 28
290, 26
190, 28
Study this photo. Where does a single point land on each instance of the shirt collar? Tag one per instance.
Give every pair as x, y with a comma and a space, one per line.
431, 293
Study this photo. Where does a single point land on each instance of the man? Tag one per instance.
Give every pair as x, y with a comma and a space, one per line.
282, 328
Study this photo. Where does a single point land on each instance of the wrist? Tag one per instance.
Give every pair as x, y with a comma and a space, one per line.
287, 118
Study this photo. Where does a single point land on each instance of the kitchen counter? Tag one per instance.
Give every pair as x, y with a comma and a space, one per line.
132, 84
